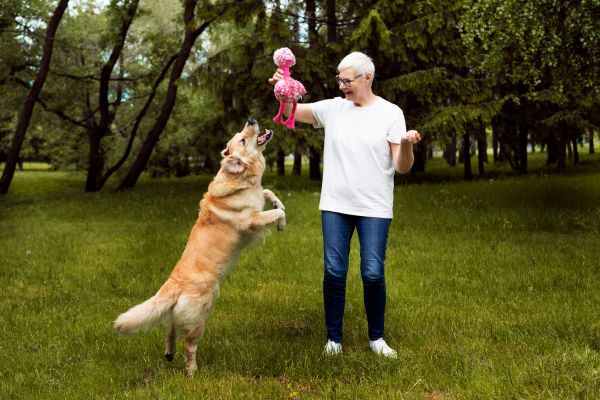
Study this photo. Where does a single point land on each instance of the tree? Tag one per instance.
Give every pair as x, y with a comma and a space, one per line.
543, 57
128, 70
29, 104
191, 33
99, 129
454, 67
419, 55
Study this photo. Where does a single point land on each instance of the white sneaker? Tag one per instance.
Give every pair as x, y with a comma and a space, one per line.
332, 348
380, 347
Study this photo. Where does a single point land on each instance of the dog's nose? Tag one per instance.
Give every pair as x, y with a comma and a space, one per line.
252, 122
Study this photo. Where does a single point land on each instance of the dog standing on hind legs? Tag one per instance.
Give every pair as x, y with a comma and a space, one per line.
231, 216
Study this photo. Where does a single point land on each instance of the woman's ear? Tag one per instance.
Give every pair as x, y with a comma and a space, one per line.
233, 165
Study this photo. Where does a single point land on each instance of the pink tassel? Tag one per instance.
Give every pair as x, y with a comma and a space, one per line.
290, 121
279, 118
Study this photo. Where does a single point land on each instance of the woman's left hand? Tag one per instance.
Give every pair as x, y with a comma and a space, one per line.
411, 136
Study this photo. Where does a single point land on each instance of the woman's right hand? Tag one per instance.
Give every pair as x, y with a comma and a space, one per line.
277, 76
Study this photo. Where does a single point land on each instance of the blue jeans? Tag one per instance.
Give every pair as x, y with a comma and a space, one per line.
372, 235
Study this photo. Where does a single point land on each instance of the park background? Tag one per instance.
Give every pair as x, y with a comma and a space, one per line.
112, 118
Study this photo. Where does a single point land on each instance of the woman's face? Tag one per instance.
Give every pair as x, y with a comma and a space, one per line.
354, 85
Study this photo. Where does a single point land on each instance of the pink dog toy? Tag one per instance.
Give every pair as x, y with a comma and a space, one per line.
287, 90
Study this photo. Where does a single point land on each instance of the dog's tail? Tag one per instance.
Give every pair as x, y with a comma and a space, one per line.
150, 313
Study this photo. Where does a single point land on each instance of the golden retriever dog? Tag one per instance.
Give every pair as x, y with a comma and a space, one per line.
231, 216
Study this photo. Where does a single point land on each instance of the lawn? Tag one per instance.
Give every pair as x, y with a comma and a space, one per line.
493, 293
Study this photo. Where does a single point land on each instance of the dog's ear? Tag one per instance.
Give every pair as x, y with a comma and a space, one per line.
225, 151
233, 165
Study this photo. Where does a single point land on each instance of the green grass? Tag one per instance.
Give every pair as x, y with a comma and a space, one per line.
32, 166
493, 292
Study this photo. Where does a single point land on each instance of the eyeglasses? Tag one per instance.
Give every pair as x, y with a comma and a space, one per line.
346, 81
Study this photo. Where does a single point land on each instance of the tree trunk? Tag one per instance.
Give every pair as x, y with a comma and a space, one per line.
420, 155
314, 165
314, 161
591, 140
96, 159
523, 132
182, 166
553, 148
138, 120
461, 150
481, 153
169, 102
209, 165
311, 17
450, 151
29, 105
561, 165
280, 162
295, 23
331, 21
95, 162
495, 140
575, 151
297, 169
466, 145
504, 125
481, 147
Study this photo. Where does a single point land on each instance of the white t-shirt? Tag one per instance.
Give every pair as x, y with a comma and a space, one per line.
358, 175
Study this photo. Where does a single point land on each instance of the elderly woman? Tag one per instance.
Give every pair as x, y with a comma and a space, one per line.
365, 142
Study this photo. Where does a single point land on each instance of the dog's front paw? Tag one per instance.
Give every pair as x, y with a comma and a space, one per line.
280, 223
277, 204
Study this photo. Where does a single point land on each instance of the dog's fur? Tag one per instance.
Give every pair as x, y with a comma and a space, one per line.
231, 215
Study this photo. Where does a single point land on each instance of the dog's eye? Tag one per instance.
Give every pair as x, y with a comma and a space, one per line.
243, 141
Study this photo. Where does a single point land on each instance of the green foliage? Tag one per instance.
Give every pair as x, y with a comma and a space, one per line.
372, 27
21, 37
524, 41
542, 53
454, 119
426, 72
446, 63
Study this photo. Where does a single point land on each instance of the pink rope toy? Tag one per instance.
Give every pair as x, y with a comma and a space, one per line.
287, 90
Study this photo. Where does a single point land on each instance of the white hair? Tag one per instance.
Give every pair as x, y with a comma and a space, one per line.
359, 62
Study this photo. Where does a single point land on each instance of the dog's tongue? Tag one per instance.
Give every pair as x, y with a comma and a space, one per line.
264, 138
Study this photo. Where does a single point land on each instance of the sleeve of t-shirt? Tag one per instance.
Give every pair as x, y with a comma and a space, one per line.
321, 110
398, 128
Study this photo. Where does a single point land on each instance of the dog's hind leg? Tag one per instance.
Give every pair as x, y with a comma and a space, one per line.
190, 343
170, 342
191, 314
190, 346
